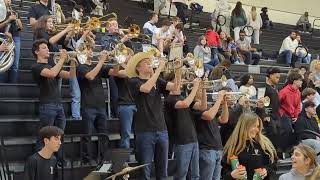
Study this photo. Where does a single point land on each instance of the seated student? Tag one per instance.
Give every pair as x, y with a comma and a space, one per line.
266, 23
302, 55
287, 49
307, 121
246, 50
161, 37
304, 165
43, 165
253, 149
202, 51
304, 22
232, 50
149, 27
77, 12
247, 87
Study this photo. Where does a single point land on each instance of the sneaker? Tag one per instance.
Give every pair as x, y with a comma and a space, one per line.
186, 25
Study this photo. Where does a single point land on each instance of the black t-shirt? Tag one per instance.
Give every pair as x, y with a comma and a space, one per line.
39, 168
92, 92
38, 10
125, 95
182, 128
272, 93
49, 87
109, 41
45, 35
208, 132
149, 116
14, 30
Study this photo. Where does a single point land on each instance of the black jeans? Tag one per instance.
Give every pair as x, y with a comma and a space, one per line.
180, 11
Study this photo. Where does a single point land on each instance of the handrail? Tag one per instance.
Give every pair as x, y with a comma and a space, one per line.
314, 25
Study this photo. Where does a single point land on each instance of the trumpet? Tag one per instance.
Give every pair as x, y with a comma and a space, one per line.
254, 102
133, 30
71, 56
232, 96
209, 84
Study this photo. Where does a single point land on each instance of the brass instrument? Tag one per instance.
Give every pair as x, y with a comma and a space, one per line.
76, 26
6, 58
196, 69
96, 23
71, 56
208, 84
254, 102
3, 10
133, 30
232, 96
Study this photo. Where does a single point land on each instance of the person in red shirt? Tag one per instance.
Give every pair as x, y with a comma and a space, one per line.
213, 41
290, 97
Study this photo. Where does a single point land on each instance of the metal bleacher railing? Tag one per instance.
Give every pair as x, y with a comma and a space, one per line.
5, 173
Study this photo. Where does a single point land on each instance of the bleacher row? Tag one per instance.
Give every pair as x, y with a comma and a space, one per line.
19, 102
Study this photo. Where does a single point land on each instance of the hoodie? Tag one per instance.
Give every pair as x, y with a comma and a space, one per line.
294, 175
213, 38
290, 100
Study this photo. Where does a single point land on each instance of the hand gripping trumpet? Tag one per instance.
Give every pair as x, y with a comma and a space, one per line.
208, 84
254, 102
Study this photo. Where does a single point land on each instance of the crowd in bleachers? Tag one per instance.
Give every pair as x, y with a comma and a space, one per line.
240, 134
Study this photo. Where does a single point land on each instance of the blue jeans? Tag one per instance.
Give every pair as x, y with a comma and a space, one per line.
76, 96
51, 114
126, 113
251, 56
187, 155
287, 56
13, 76
93, 118
210, 164
306, 59
151, 145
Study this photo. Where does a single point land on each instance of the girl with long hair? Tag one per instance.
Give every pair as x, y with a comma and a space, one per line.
44, 29
238, 20
253, 149
255, 21
247, 87
303, 164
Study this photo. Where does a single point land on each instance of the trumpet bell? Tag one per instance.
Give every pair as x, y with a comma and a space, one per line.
266, 101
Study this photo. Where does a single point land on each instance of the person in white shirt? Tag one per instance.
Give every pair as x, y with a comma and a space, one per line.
149, 27
255, 21
288, 47
161, 37
175, 21
246, 86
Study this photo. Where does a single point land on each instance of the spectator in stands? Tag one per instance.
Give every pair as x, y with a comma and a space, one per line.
150, 126
232, 50
207, 123
266, 23
182, 131
309, 94
246, 50
241, 106
43, 164
223, 9
287, 50
44, 29
307, 81
290, 97
180, 5
315, 72
246, 86
203, 52
77, 12
161, 37
149, 27
303, 70
176, 46
213, 41
303, 163
158, 6
12, 27
304, 22
38, 10
175, 21
47, 76
256, 23
238, 20
98, 10
253, 149
93, 105
302, 54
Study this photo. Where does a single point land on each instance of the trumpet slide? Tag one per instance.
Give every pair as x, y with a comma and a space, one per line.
209, 84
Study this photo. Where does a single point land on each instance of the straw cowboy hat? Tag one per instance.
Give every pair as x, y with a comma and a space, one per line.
133, 62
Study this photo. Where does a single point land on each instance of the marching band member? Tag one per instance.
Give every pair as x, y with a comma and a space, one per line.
45, 29
181, 129
150, 126
46, 75
38, 10
207, 122
12, 27
93, 105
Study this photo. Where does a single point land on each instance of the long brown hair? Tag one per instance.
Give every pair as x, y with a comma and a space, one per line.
237, 142
237, 10
41, 25
253, 13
